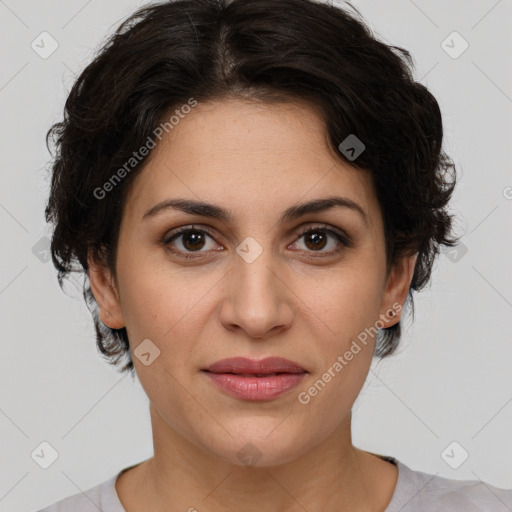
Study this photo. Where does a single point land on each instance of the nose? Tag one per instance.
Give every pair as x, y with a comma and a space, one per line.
257, 298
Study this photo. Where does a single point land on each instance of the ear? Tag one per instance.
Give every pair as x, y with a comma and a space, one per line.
105, 293
396, 289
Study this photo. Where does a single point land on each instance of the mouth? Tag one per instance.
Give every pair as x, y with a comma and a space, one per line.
252, 374
256, 368
251, 380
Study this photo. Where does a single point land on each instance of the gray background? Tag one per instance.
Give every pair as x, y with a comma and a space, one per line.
450, 381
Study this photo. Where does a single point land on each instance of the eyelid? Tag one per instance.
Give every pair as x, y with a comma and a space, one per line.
185, 229
341, 235
347, 240
302, 229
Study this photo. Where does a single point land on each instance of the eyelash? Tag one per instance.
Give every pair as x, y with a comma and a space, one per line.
320, 228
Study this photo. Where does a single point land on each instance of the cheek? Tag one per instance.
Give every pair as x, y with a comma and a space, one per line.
158, 302
166, 309
344, 308
344, 303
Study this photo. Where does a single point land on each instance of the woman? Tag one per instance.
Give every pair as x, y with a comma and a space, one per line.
254, 189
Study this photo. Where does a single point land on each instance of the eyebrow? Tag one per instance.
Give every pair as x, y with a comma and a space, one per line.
294, 212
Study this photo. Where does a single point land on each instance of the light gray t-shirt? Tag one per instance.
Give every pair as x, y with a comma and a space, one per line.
415, 491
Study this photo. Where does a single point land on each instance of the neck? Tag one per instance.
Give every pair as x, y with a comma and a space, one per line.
332, 476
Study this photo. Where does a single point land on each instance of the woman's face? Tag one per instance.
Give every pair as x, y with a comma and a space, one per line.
254, 285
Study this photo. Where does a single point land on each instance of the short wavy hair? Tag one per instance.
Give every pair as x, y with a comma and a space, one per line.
271, 51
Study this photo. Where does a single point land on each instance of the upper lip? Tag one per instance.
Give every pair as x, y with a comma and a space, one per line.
244, 365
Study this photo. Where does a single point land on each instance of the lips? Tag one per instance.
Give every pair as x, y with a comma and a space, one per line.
269, 366
250, 380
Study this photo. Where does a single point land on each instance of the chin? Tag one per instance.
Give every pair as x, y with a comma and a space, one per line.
259, 447
250, 455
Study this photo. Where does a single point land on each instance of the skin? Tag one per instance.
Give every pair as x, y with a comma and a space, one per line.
255, 160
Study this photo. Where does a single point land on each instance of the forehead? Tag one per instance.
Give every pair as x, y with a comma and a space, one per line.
232, 131
251, 155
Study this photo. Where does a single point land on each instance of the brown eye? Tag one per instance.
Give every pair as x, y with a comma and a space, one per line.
316, 239
189, 240
193, 240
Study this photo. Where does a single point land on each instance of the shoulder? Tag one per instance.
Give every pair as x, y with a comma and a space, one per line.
101, 497
419, 492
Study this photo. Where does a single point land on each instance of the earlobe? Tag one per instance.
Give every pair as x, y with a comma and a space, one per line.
397, 288
106, 294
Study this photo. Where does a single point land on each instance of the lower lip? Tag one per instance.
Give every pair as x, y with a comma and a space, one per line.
255, 388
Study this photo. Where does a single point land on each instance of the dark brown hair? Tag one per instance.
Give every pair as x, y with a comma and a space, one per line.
259, 50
